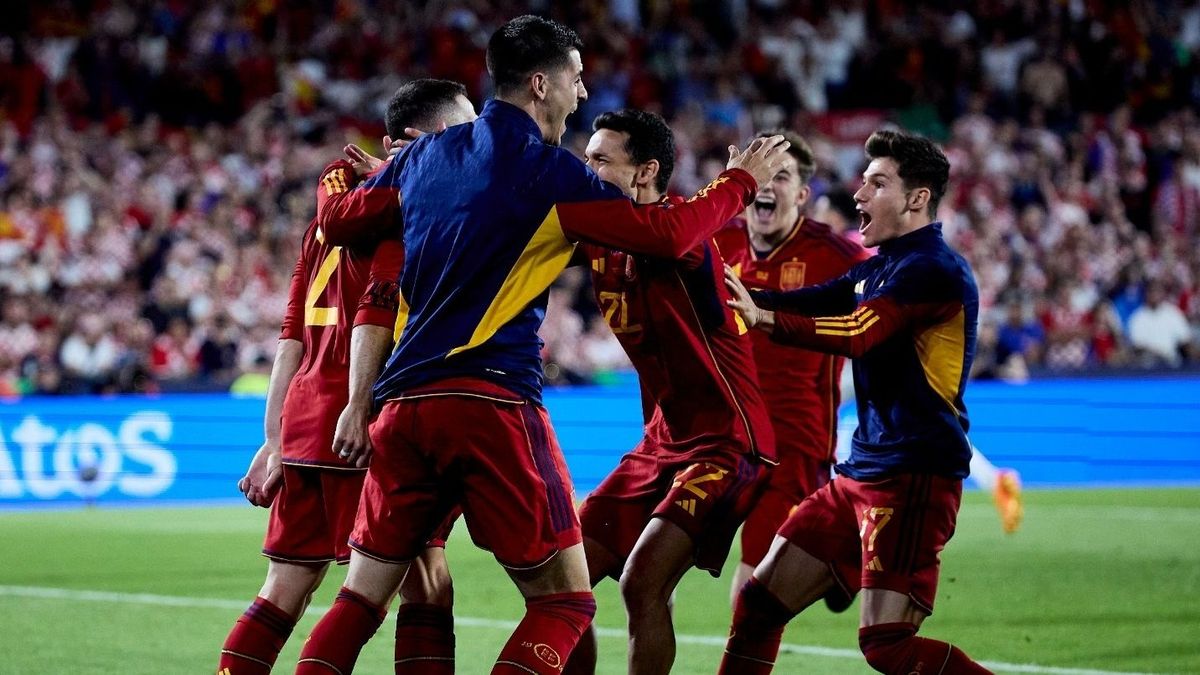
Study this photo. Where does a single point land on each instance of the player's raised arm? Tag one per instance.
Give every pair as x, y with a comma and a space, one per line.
351, 210
671, 232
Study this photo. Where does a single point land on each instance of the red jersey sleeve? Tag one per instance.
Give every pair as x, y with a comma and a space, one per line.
669, 232
293, 317
381, 299
350, 211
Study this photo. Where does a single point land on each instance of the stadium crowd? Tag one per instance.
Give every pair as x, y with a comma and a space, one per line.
158, 160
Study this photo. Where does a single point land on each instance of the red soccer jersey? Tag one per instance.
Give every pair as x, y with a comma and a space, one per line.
333, 289
691, 351
800, 386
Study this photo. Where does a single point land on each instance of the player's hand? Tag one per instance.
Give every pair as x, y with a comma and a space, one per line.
393, 146
741, 301
763, 158
362, 161
351, 439
264, 477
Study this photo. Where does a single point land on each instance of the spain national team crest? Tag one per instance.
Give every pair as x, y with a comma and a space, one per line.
791, 275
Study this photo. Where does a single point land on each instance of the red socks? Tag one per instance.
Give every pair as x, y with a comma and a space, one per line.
895, 648
340, 635
758, 622
424, 640
546, 636
255, 641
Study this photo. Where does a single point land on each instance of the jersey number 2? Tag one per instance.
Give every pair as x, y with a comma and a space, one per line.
322, 316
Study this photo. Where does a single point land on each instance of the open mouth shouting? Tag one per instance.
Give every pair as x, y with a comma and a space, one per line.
764, 207
864, 222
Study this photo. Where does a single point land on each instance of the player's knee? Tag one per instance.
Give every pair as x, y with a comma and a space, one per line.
887, 647
428, 585
290, 586
642, 590
579, 607
428, 580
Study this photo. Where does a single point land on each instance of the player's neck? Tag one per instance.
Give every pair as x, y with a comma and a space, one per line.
647, 195
912, 223
907, 226
533, 110
765, 242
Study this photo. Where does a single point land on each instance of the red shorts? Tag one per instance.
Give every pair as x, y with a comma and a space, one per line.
470, 444
887, 534
312, 515
442, 532
797, 476
706, 495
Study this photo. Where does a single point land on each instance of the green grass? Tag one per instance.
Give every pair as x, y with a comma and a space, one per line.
1105, 580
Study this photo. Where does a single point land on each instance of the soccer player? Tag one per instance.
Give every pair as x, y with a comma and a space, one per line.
908, 318
491, 212
775, 247
313, 493
677, 499
424, 620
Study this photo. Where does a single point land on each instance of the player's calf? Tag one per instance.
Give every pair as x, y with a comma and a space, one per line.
894, 648
559, 607
548, 633
254, 642
759, 618
256, 638
424, 621
340, 635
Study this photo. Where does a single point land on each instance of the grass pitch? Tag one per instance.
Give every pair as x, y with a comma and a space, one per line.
1095, 581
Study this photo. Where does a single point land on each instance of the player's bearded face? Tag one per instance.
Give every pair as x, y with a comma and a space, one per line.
776, 207
881, 202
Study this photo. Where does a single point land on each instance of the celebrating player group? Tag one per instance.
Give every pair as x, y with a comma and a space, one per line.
406, 390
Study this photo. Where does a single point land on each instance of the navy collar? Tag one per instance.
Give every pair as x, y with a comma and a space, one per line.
919, 238
510, 114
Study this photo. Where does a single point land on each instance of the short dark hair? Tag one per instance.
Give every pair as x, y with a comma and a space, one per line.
419, 103
649, 138
526, 45
806, 163
919, 161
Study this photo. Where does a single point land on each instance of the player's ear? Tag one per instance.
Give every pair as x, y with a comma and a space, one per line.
919, 198
648, 173
442, 125
803, 195
538, 83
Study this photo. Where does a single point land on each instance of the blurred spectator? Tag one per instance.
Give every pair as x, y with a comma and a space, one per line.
89, 354
1158, 329
157, 160
602, 352
1020, 335
218, 353
173, 354
1108, 342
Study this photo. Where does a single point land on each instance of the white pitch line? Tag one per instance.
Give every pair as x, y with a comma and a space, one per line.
48, 593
